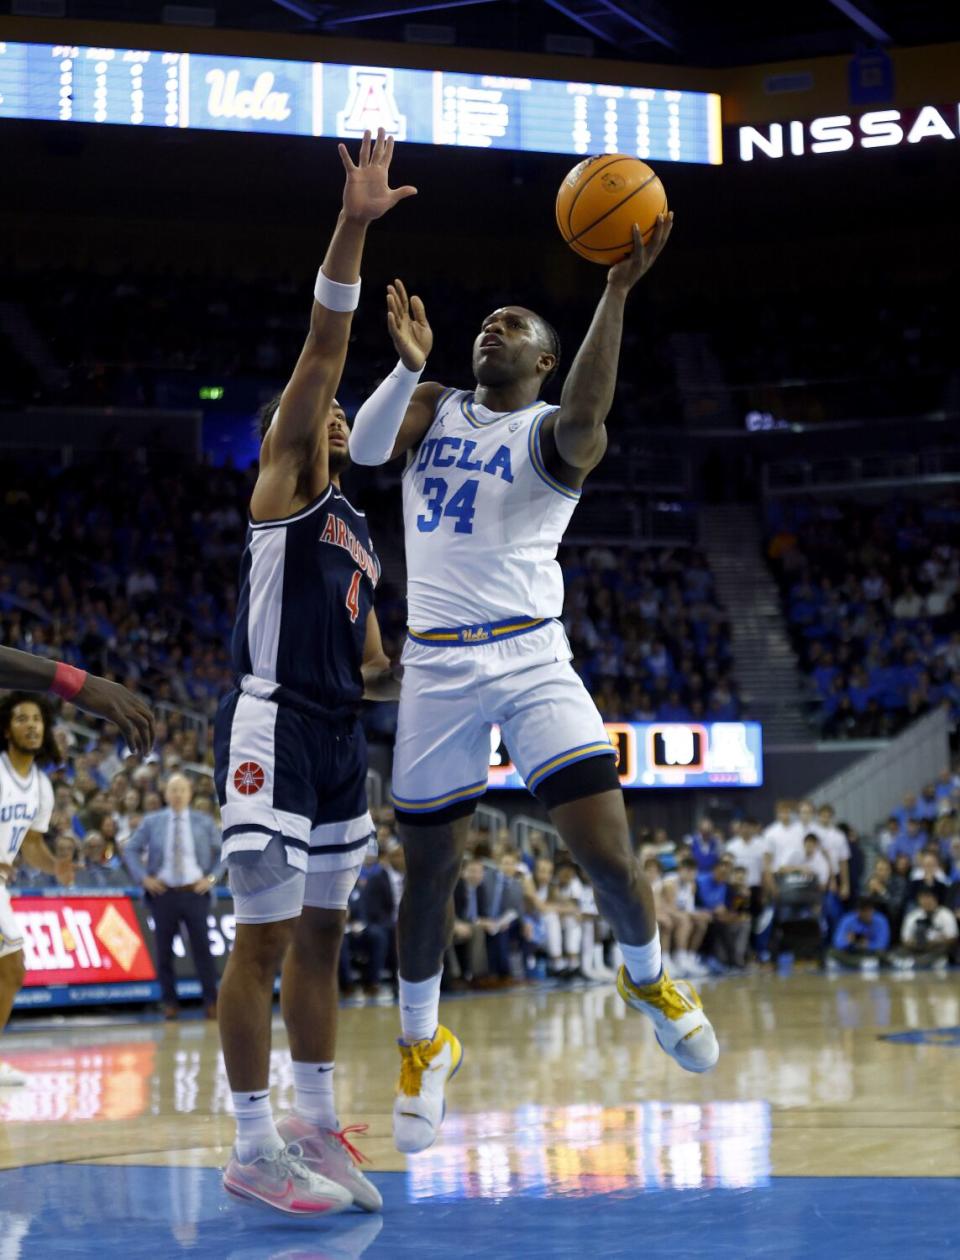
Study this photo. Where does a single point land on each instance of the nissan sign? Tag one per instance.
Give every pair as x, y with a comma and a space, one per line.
880, 129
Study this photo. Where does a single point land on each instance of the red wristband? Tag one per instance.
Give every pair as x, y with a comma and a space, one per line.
67, 681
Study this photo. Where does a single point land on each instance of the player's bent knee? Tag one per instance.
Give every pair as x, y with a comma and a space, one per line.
433, 852
258, 951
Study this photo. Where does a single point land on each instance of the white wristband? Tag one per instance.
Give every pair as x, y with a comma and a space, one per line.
335, 296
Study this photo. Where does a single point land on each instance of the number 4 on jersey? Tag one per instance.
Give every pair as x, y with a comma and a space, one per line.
353, 596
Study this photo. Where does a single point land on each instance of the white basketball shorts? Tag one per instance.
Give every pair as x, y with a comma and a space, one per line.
450, 698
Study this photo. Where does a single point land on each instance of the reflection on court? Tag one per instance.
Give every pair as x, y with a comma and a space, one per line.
565, 1124
597, 1150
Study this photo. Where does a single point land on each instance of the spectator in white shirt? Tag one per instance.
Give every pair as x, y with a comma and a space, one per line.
784, 836
927, 935
748, 849
837, 849
908, 606
811, 859
675, 897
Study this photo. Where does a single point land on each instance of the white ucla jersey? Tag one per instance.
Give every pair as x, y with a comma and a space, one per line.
483, 517
25, 805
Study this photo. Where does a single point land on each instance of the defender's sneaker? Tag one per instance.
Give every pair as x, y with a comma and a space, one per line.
281, 1180
419, 1108
9, 1075
331, 1154
682, 1028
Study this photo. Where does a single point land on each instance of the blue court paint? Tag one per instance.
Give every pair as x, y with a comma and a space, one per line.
926, 1037
72, 1210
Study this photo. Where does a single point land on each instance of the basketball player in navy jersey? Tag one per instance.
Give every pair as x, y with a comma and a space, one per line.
491, 483
290, 755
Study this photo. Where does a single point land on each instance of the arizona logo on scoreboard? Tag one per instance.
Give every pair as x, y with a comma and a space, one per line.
371, 104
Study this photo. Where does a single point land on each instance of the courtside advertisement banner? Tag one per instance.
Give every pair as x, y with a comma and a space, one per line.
82, 941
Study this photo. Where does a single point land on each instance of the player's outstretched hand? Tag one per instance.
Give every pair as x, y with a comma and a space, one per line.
118, 705
409, 330
367, 194
624, 275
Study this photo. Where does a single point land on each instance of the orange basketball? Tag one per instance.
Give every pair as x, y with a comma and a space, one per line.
601, 199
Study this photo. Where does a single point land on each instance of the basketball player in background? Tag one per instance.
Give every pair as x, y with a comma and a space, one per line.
492, 482
99, 696
26, 803
291, 760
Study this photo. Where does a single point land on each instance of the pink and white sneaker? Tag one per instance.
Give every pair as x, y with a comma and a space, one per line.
330, 1154
281, 1180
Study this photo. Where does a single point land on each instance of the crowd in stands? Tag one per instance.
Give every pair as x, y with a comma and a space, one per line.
805, 883
151, 337
864, 353
148, 336
131, 571
648, 634
871, 593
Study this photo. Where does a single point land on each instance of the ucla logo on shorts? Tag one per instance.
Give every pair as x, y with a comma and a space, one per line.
248, 778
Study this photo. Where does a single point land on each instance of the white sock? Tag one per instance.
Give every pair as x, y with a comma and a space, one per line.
313, 1094
256, 1131
420, 1008
643, 962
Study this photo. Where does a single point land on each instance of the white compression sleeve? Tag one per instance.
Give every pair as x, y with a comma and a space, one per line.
377, 423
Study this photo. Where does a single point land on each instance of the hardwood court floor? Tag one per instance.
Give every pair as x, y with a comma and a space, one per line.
830, 1091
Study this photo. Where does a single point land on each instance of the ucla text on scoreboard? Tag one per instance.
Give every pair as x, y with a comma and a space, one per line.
133, 87
666, 754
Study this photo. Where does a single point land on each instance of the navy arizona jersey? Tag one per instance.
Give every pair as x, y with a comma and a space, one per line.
306, 589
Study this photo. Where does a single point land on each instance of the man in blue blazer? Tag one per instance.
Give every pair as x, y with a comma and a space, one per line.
175, 855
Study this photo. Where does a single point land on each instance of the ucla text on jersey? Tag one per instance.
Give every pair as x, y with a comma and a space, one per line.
25, 805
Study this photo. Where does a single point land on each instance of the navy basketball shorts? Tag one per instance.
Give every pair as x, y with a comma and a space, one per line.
292, 785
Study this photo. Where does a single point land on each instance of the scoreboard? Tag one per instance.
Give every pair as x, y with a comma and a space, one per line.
132, 87
666, 755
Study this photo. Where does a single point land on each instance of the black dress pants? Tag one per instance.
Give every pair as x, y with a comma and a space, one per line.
170, 909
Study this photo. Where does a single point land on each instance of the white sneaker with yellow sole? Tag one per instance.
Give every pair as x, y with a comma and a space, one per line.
419, 1107
681, 1027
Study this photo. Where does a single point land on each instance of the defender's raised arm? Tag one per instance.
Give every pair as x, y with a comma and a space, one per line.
297, 437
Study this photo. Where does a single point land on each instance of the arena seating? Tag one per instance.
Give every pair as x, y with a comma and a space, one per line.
870, 592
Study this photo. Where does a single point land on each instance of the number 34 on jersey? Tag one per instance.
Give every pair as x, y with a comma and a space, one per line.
459, 503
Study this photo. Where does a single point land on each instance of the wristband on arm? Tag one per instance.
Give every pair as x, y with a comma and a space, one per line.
334, 295
377, 423
67, 681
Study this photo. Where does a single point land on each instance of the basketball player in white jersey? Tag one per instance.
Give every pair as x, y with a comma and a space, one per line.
492, 480
26, 803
